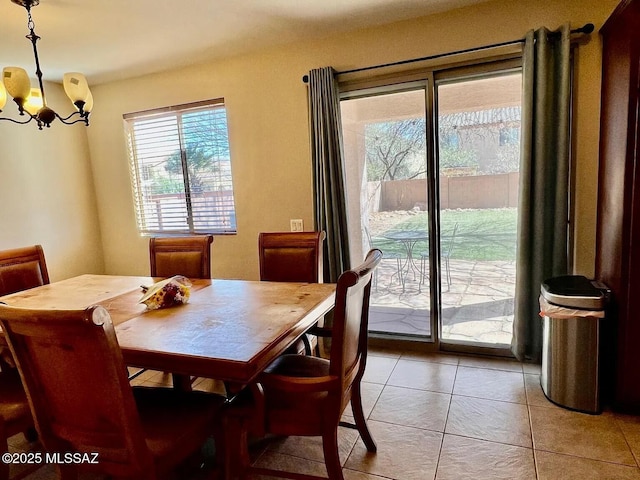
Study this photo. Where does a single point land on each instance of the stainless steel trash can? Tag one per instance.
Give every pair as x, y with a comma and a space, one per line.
573, 308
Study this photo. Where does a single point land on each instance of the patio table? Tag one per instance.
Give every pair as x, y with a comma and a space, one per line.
408, 239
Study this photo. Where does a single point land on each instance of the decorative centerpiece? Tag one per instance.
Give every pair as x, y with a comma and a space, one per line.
167, 293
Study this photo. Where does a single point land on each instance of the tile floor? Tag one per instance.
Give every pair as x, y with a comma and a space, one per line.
448, 417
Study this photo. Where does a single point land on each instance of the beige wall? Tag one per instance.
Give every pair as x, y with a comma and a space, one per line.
268, 130
46, 192
50, 201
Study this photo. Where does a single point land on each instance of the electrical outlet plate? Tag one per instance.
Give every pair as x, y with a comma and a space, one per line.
296, 225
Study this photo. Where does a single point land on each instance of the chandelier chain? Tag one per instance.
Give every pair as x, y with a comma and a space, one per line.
33, 37
30, 23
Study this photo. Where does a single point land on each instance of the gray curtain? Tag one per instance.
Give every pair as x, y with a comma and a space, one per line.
328, 172
544, 177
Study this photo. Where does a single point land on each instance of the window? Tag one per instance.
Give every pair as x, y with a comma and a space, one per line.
181, 169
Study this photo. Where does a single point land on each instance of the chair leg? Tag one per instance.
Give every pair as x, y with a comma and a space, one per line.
316, 350
31, 434
4, 448
400, 276
234, 448
181, 382
448, 272
308, 350
358, 416
4, 470
331, 456
423, 273
375, 280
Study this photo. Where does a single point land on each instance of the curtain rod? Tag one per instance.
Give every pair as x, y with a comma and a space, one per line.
585, 29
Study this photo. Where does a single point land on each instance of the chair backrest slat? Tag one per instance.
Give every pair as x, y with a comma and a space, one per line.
188, 256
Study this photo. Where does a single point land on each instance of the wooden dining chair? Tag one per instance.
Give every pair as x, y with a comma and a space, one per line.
303, 395
22, 268
188, 256
293, 257
15, 416
72, 368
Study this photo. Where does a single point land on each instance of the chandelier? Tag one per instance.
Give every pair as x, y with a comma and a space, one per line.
32, 102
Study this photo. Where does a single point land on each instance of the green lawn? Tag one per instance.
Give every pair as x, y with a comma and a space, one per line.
482, 234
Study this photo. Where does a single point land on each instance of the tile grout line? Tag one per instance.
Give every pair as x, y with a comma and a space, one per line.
444, 430
372, 408
624, 435
533, 445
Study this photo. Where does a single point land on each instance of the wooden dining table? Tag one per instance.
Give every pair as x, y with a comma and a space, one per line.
229, 330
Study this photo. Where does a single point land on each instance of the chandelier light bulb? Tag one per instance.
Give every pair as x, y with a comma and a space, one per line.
34, 101
3, 96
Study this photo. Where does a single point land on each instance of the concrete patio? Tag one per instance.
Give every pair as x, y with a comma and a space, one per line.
477, 306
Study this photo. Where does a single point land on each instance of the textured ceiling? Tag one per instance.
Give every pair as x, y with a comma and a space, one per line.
114, 39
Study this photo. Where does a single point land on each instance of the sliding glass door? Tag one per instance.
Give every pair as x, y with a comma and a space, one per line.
386, 167
478, 165
432, 180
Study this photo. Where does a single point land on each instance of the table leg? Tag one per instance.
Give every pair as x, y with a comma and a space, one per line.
235, 450
409, 264
181, 382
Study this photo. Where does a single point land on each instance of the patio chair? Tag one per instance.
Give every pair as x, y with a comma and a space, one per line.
306, 396
72, 368
380, 244
445, 255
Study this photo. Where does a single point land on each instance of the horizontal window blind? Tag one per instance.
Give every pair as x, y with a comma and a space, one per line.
181, 169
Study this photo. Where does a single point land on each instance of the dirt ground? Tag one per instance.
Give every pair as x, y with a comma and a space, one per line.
380, 222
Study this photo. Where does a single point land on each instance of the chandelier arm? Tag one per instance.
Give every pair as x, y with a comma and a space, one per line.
31, 117
64, 120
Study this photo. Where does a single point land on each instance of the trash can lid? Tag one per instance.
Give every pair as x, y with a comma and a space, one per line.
575, 291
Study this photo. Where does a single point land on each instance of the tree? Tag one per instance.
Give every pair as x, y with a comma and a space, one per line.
206, 147
395, 150
451, 156
200, 166
506, 160
457, 159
